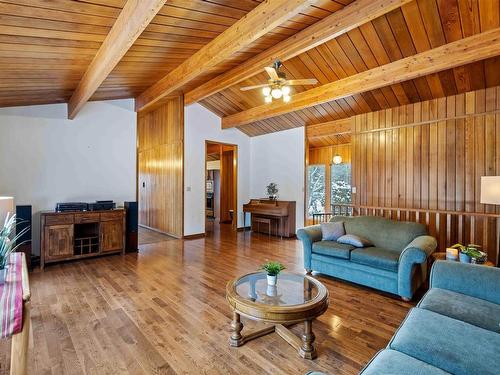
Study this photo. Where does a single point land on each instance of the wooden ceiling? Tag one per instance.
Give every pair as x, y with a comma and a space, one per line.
416, 27
46, 46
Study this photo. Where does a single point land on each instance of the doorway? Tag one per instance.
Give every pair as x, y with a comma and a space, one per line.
221, 161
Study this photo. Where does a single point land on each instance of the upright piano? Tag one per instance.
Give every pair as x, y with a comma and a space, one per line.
278, 215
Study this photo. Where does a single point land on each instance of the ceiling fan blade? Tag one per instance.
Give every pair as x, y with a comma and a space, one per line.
293, 82
246, 88
272, 73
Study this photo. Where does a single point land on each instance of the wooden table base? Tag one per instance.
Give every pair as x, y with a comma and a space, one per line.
304, 344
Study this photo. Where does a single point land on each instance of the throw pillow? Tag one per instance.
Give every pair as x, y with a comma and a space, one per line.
332, 230
354, 240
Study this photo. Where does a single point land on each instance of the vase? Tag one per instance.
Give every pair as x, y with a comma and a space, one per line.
271, 280
272, 290
464, 258
3, 275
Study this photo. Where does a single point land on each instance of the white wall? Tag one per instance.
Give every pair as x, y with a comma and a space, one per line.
200, 125
276, 157
46, 158
279, 157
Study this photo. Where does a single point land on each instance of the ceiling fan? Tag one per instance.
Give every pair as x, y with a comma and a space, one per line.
278, 86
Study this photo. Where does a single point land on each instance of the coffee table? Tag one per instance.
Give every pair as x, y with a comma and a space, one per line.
295, 299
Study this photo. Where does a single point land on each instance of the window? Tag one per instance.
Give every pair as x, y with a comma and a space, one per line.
316, 189
340, 183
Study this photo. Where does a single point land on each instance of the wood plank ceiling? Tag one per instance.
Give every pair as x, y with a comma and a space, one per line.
413, 28
46, 46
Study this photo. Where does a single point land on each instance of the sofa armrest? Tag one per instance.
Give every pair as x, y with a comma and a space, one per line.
308, 236
471, 279
416, 252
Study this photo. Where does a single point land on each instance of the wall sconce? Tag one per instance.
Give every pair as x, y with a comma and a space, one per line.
337, 159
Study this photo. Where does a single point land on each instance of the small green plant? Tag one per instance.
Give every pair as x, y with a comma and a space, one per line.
470, 250
272, 268
9, 245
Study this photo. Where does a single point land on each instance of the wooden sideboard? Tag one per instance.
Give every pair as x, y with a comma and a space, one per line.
75, 235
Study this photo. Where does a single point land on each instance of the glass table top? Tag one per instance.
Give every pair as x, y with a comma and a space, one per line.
291, 289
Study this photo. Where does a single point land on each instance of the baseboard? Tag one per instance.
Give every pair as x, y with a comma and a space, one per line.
159, 231
241, 229
193, 236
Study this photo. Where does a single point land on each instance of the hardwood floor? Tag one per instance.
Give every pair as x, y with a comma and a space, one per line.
148, 236
163, 311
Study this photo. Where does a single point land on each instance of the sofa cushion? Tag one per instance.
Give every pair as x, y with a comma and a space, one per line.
332, 230
376, 257
332, 248
472, 310
354, 240
452, 345
391, 362
382, 232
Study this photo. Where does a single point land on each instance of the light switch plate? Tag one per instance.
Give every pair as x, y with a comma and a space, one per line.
354, 189
188, 188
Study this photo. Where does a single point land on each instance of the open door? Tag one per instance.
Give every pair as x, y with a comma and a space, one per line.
221, 186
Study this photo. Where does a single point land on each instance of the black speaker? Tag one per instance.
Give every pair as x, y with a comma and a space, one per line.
23, 221
132, 227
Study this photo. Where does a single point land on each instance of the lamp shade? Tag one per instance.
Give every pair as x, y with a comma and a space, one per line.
490, 189
6, 206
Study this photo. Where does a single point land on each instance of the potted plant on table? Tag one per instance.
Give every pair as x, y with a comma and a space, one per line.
8, 243
272, 269
470, 253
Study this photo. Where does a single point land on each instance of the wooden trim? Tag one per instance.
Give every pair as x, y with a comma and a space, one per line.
326, 132
133, 19
336, 24
234, 224
194, 236
461, 52
258, 22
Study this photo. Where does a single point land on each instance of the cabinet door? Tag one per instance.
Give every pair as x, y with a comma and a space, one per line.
59, 241
111, 235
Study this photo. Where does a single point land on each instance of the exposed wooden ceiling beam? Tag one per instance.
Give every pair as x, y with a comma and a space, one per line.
330, 128
264, 18
464, 51
133, 19
338, 23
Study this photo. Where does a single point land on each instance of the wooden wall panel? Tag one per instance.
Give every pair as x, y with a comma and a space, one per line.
429, 155
160, 151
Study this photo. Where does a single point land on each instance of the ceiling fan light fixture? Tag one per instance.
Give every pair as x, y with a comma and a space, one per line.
286, 90
276, 93
266, 91
286, 98
268, 99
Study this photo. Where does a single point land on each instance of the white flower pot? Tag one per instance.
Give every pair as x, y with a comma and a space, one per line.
271, 280
272, 291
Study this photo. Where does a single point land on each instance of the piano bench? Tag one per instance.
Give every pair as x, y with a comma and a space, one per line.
262, 220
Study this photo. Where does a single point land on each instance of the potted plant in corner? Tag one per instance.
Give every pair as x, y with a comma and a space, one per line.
272, 269
470, 253
8, 243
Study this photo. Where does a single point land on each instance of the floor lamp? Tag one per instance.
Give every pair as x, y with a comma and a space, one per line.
490, 194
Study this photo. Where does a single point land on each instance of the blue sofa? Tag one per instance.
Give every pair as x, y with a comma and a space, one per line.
397, 263
455, 328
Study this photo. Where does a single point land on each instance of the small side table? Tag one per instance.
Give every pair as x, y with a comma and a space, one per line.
442, 256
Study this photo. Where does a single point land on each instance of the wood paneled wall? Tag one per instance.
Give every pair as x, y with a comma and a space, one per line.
430, 155
324, 155
160, 150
